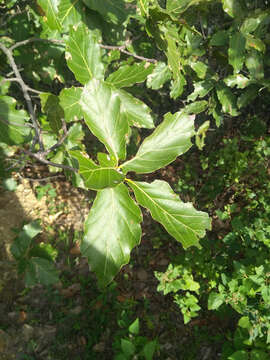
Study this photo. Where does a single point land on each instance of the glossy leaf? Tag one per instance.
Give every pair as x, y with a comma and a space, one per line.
106, 160
199, 67
129, 75
255, 43
96, 177
201, 89
181, 220
112, 229
233, 8
83, 54
137, 112
13, 125
238, 80
101, 109
196, 107
169, 140
236, 51
70, 102
50, 7
177, 86
227, 99
114, 11
159, 76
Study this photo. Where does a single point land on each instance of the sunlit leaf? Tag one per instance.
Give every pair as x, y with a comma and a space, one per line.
112, 229
70, 102
181, 220
169, 140
236, 51
159, 76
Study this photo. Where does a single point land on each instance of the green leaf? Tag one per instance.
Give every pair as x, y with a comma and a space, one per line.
134, 328
196, 107
233, 8
70, 102
128, 75
75, 137
24, 239
50, 7
238, 80
199, 67
144, 7
201, 89
220, 38
96, 177
257, 354
69, 12
227, 99
45, 251
55, 114
169, 140
244, 322
127, 347
177, 86
137, 112
181, 220
247, 96
115, 11
13, 126
149, 349
176, 7
106, 160
250, 25
112, 229
42, 271
239, 355
236, 51
215, 300
255, 43
83, 54
101, 109
159, 76
254, 63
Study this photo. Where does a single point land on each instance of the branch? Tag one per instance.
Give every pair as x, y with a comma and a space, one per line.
18, 80
40, 158
60, 142
28, 41
122, 49
26, 95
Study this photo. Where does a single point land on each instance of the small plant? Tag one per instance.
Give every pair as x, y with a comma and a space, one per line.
135, 346
34, 260
45, 190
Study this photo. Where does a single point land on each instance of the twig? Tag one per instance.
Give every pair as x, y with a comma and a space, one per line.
40, 158
18, 81
48, 178
26, 95
122, 49
60, 142
28, 41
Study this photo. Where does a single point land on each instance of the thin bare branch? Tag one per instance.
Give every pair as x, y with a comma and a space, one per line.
40, 158
28, 41
26, 95
18, 81
60, 142
123, 50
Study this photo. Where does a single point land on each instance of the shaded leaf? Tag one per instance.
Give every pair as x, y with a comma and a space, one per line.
220, 38
254, 63
112, 229
239, 355
114, 11
70, 102
236, 51
227, 99
83, 54
255, 43
96, 177
51, 106
181, 220
13, 126
101, 109
247, 96
196, 107
177, 86
128, 75
169, 140
233, 8
199, 67
42, 271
